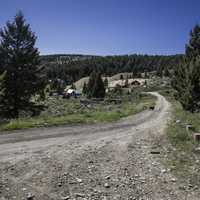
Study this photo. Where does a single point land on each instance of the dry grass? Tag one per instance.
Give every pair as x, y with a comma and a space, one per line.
61, 111
182, 158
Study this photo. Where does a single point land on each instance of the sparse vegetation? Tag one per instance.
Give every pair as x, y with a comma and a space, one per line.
61, 111
182, 157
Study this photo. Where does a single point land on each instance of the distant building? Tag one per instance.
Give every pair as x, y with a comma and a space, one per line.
131, 82
72, 93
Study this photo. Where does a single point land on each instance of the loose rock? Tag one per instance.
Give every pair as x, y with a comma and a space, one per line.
30, 196
106, 185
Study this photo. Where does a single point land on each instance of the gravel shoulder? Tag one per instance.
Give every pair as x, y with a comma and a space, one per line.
121, 160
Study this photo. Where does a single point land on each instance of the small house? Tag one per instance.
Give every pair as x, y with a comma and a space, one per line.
72, 93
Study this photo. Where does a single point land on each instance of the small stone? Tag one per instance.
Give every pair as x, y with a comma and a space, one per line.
30, 196
107, 177
79, 180
155, 152
65, 198
188, 127
182, 188
197, 150
106, 185
59, 184
173, 180
190, 185
79, 195
117, 197
154, 164
196, 187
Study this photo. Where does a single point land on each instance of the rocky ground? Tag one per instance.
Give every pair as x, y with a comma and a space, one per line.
121, 160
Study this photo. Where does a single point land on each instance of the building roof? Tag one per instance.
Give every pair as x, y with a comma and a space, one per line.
70, 91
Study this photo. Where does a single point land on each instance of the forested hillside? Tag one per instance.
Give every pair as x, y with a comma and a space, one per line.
73, 67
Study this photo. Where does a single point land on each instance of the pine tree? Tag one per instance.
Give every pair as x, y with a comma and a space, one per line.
193, 47
73, 86
187, 84
166, 72
186, 79
95, 87
2, 84
2, 94
126, 83
20, 59
98, 89
90, 85
85, 89
105, 82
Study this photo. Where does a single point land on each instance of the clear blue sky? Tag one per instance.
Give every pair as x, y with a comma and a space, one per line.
106, 27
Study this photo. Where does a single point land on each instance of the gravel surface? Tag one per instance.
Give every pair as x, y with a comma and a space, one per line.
121, 160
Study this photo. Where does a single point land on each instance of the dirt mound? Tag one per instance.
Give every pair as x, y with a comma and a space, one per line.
79, 84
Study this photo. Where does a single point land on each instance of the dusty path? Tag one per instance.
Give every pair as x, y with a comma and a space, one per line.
104, 161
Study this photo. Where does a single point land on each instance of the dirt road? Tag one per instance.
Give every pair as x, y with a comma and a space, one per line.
121, 160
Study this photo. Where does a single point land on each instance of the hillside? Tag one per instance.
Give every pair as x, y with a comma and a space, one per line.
112, 81
72, 68
64, 58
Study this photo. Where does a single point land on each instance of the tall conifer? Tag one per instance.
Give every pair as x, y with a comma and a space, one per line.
20, 60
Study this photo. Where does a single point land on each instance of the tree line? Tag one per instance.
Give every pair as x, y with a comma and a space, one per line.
73, 70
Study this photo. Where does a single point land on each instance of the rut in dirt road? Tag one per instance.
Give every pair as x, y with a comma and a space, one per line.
103, 161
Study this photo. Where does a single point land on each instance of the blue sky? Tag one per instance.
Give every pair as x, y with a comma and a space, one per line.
107, 27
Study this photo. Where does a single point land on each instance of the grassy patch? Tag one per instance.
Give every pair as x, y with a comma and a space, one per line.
61, 111
182, 157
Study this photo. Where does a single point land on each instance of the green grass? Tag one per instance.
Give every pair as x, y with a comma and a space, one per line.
182, 158
61, 112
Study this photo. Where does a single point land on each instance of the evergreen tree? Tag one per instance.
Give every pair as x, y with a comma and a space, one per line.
2, 94
186, 79
98, 89
118, 90
73, 86
105, 82
20, 60
85, 89
166, 72
126, 83
187, 84
91, 84
2, 85
193, 47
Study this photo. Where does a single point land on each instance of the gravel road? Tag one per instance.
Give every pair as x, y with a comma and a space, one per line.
121, 160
